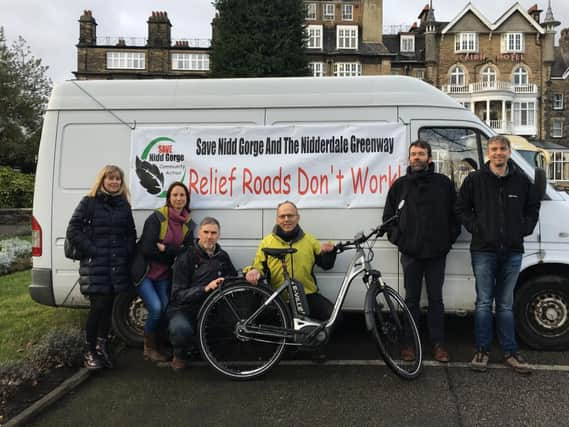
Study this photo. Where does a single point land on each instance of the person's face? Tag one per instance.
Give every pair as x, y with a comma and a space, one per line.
498, 154
208, 235
112, 183
287, 217
178, 198
418, 158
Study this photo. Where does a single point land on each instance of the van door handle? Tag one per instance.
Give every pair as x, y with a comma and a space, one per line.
563, 234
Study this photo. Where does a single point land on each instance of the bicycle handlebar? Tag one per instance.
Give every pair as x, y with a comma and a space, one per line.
360, 238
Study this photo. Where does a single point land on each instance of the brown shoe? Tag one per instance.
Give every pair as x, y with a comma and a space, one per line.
151, 349
407, 354
440, 353
178, 364
517, 363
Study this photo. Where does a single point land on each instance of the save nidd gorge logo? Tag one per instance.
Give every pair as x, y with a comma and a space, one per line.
159, 165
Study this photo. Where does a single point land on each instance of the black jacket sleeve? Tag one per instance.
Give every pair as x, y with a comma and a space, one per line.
78, 230
183, 292
326, 260
531, 210
465, 206
454, 222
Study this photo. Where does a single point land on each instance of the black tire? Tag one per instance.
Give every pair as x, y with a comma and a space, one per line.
392, 325
129, 315
542, 312
240, 359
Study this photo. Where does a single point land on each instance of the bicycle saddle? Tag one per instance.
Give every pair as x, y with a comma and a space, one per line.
278, 252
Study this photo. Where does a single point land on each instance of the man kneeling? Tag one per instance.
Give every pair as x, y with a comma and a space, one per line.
197, 272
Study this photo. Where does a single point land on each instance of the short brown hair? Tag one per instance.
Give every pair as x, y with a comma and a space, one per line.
422, 144
501, 139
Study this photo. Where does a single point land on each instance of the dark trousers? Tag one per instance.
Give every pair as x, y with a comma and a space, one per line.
320, 307
99, 318
433, 270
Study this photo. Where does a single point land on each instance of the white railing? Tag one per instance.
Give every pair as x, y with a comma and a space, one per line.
502, 126
489, 86
141, 41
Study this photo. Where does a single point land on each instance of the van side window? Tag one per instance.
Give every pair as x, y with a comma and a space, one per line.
455, 151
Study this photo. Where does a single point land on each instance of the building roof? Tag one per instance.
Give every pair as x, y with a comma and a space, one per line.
392, 42
549, 145
516, 7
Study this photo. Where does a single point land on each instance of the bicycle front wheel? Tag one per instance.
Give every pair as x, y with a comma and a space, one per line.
236, 357
394, 329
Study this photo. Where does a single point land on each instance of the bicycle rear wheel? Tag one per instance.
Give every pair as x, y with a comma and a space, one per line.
240, 358
393, 327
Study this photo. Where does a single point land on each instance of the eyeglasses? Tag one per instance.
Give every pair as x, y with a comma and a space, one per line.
285, 216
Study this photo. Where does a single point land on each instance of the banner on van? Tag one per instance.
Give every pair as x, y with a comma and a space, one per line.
246, 167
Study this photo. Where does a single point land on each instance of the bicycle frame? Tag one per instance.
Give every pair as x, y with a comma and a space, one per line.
360, 263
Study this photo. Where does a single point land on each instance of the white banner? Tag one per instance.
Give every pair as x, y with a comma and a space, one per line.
245, 167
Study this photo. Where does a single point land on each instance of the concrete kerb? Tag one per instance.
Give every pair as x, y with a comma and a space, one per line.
53, 396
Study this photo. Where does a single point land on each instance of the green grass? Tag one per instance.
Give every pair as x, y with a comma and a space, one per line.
23, 321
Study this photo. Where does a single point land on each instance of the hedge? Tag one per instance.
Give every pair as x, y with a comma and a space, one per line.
16, 188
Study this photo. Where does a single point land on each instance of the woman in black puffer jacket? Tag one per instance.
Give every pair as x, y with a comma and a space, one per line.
102, 228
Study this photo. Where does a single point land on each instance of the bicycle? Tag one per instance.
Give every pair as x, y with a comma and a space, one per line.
243, 329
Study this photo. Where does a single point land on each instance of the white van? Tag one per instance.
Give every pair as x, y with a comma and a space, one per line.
92, 123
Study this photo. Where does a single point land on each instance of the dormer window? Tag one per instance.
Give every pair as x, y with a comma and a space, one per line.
407, 43
466, 42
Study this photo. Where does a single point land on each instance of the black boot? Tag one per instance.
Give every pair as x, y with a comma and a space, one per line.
91, 361
103, 353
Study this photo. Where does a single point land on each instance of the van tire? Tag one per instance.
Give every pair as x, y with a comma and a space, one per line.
542, 312
129, 315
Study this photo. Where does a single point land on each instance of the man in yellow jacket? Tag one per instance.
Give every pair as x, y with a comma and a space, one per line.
287, 233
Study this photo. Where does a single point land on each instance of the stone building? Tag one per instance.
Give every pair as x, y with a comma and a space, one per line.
158, 56
345, 38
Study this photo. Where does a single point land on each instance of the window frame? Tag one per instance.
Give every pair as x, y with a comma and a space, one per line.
518, 113
325, 9
462, 42
191, 58
452, 75
557, 132
516, 74
557, 104
131, 58
403, 38
310, 12
313, 68
345, 72
352, 38
310, 37
345, 15
510, 43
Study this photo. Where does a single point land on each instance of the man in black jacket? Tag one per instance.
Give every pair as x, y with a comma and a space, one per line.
197, 272
499, 205
424, 233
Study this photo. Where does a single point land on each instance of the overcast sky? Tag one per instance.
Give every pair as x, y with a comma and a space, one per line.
51, 27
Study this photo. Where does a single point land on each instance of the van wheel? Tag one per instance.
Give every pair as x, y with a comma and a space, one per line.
129, 315
542, 312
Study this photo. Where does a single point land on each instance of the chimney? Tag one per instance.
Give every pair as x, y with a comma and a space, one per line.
87, 29
159, 29
372, 21
534, 12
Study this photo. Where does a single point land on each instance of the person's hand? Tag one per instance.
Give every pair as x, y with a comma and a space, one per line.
213, 284
327, 247
253, 276
161, 246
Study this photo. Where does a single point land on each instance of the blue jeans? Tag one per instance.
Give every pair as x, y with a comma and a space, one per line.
181, 333
156, 295
496, 275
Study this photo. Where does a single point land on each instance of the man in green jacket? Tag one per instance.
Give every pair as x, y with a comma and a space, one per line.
287, 233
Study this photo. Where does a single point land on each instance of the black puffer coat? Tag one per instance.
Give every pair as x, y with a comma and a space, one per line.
106, 244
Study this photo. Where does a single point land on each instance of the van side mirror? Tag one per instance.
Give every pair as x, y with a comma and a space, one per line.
540, 182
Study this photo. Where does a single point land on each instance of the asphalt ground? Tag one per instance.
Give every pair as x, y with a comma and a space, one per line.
353, 388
